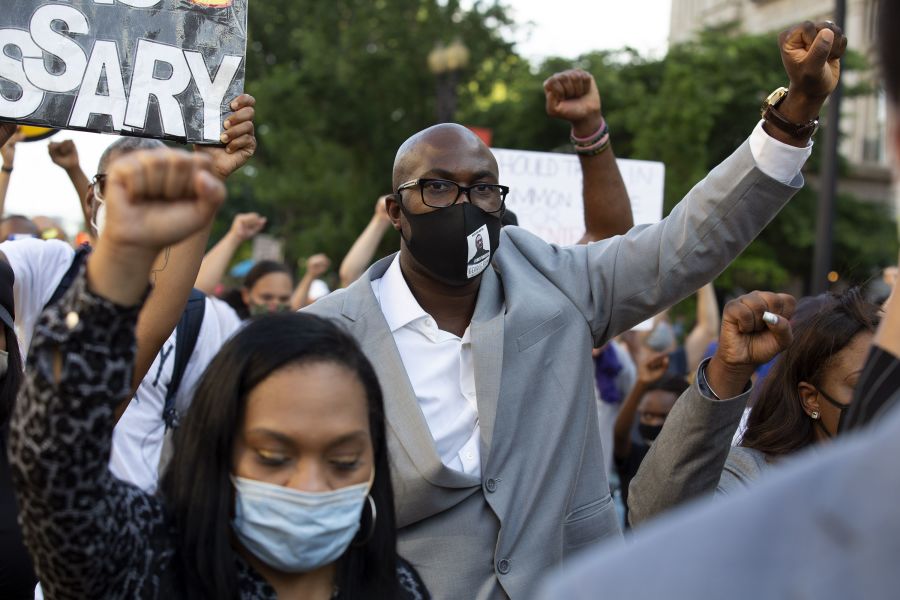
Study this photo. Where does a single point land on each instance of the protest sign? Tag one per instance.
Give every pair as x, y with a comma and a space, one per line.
545, 191
153, 68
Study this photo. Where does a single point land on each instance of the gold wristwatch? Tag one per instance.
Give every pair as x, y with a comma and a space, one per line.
772, 116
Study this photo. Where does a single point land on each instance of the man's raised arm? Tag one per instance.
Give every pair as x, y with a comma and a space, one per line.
573, 96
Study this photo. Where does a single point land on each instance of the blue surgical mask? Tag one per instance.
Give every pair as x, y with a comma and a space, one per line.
294, 531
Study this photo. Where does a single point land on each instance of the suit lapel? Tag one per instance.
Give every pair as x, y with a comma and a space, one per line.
402, 411
487, 355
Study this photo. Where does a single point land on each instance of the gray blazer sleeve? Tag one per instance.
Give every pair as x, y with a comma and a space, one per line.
619, 282
687, 458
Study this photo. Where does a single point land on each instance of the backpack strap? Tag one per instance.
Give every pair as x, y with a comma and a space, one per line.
69, 278
186, 334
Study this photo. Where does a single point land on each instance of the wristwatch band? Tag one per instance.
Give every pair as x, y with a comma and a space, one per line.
771, 115
6, 169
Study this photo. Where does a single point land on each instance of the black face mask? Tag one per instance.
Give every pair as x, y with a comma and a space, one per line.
455, 243
649, 432
842, 411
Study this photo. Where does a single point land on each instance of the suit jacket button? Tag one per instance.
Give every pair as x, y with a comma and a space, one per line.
491, 485
503, 566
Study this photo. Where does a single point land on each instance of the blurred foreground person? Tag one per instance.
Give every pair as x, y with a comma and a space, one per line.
495, 443
17, 578
279, 486
802, 401
824, 525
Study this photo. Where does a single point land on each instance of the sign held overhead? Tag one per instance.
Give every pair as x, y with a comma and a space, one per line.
153, 68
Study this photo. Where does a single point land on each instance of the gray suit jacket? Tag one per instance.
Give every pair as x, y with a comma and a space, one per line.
693, 456
543, 492
822, 525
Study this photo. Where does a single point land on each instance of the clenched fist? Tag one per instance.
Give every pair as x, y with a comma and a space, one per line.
755, 329
246, 225
811, 54
158, 198
64, 154
572, 95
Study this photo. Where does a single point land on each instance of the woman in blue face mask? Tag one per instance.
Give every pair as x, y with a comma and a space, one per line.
279, 485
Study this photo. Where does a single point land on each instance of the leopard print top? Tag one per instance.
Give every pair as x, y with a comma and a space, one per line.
92, 535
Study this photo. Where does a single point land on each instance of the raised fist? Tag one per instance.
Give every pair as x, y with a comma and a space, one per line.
381, 208
239, 138
246, 225
6, 131
8, 149
811, 53
651, 366
572, 95
755, 328
64, 154
317, 265
157, 198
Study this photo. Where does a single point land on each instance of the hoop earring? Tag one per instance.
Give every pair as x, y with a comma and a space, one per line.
371, 533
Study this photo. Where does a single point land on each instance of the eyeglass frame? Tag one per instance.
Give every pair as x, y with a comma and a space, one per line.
97, 184
460, 190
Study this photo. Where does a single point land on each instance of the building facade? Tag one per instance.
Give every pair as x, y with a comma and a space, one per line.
863, 125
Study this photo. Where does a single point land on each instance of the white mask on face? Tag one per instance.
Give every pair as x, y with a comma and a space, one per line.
99, 220
294, 531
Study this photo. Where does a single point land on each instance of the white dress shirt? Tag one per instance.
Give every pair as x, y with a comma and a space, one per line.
440, 368
439, 364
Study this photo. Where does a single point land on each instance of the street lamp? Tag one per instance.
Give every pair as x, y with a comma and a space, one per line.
447, 63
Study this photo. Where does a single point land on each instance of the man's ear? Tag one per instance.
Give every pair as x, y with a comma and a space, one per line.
392, 206
809, 398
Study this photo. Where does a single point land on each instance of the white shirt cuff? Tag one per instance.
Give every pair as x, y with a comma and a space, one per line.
782, 162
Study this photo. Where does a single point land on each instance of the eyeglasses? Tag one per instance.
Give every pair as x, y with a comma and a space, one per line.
99, 185
440, 193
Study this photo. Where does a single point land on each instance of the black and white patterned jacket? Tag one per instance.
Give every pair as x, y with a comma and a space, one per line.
92, 535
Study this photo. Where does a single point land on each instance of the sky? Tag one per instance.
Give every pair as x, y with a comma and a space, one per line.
571, 27
544, 28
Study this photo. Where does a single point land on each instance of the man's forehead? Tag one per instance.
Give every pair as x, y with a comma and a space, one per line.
447, 148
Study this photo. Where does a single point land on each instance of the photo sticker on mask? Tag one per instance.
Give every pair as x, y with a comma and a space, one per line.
479, 252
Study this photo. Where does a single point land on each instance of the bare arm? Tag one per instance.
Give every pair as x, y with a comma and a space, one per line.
706, 329
651, 366
316, 266
363, 250
573, 96
216, 261
8, 152
65, 155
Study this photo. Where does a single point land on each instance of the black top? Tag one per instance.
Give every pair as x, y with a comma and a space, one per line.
628, 467
17, 578
93, 535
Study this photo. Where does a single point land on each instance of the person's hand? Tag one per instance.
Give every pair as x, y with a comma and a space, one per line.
381, 209
572, 95
7, 130
8, 149
651, 366
158, 198
811, 53
64, 154
755, 329
317, 265
246, 225
239, 138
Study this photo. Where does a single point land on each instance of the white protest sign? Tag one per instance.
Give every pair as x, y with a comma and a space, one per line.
545, 191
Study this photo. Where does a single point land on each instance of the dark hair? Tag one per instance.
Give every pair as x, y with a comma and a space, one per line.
670, 383
124, 145
263, 268
778, 424
888, 48
9, 389
197, 488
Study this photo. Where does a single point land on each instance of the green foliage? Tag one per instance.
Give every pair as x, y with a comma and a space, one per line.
341, 84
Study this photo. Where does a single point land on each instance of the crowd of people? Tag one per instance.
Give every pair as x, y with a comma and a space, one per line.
475, 416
